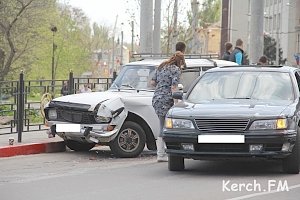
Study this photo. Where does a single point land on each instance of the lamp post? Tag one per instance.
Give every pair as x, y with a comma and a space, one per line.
54, 30
122, 38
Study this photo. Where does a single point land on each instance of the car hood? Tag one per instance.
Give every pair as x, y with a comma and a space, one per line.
93, 98
233, 108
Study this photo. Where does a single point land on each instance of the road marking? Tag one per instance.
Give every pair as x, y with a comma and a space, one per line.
262, 193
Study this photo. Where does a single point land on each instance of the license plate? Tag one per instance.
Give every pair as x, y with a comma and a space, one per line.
74, 128
221, 139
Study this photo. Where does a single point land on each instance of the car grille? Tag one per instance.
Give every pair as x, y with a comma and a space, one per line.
72, 112
235, 148
221, 125
85, 117
75, 116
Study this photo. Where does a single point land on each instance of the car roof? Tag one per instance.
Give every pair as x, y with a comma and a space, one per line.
254, 68
190, 63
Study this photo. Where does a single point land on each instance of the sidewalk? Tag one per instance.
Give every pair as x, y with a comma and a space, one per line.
32, 143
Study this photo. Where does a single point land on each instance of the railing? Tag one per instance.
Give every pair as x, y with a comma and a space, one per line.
20, 101
141, 56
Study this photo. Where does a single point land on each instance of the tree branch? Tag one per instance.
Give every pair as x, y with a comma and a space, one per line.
7, 31
23, 8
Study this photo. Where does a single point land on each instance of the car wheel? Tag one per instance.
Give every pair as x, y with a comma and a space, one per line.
290, 164
176, 163
79, 146
130, 141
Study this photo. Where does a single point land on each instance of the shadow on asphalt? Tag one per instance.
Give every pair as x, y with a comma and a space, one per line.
200, 167
234, 168
105, 153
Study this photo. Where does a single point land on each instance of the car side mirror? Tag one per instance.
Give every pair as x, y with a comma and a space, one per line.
177, 95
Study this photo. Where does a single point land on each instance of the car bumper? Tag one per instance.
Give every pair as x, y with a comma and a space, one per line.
273, 146
88, 132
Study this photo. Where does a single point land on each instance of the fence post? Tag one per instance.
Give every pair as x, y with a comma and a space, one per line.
71, 83
20, 108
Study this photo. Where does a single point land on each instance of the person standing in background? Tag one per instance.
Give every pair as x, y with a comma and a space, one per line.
228, 50
65, 89
237, 55
263, 60
85, 89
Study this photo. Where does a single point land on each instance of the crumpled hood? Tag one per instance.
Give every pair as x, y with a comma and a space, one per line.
93, 98
232, 108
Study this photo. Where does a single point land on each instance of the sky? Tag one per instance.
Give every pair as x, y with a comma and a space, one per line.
108, 12
105, 12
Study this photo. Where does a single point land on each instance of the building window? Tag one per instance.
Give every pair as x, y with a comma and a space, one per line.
266, 25
267, 3
279, 21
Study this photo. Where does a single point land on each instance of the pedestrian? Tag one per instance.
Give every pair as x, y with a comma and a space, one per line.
85, 89
263, 60
228, 50
238, 53
65, 89
165, 80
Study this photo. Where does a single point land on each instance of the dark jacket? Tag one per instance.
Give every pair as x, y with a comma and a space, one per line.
226, 56
235, 51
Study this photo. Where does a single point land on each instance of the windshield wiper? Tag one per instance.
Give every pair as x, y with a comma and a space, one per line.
127, 85
238, 98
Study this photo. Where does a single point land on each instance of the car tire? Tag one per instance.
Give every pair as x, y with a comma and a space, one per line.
79, 146
290, 164
175, 163
130, 141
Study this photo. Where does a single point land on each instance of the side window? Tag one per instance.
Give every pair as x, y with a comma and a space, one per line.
187, 78
297, 75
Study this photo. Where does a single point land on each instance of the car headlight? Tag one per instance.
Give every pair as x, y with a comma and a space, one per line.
179, 123
52, 114
101, 119
269, 124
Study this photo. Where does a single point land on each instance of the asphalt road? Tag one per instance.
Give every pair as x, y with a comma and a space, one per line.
97, 175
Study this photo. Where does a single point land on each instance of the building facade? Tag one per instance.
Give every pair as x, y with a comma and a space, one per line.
281, 21
209, 39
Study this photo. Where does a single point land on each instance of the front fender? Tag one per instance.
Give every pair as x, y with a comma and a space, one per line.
114, 109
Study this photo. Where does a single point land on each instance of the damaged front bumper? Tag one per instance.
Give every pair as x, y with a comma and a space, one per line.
92, 133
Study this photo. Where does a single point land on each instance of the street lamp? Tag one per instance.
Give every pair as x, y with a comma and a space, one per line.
54, 30
121, 56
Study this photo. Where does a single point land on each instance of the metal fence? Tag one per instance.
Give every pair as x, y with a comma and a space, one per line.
20, 101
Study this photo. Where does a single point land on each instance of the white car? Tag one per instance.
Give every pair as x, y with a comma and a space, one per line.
121, 117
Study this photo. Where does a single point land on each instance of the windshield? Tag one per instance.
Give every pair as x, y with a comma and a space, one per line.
243, 85
134, 77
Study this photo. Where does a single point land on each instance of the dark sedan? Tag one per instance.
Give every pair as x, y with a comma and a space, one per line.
237, 112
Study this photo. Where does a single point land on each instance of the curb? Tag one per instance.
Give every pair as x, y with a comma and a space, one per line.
33, 148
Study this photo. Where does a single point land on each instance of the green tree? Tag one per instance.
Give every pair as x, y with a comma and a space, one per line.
100, 38
270, 50
72, 41
210, 13
19, 22
26, 39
